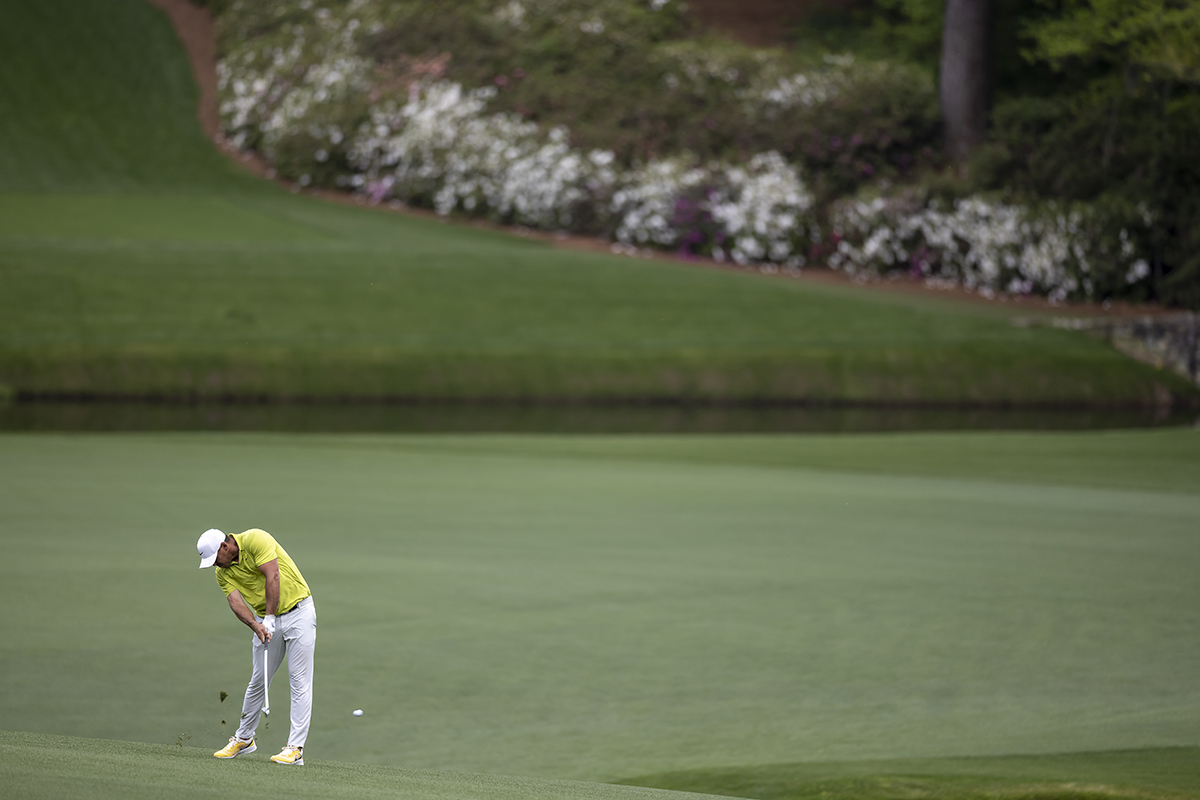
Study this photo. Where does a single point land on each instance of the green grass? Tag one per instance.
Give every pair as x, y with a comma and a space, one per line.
36, 766
40, 765
135, 260
1165, 772
99, 98
601, 608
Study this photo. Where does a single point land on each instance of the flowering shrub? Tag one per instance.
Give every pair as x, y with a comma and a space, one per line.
288, 80
767, 211
647, 205
442, 149
679, 144
760, 212
986, 246
850, 122
297, 77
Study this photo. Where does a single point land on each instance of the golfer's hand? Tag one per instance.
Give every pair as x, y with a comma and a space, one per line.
261, 632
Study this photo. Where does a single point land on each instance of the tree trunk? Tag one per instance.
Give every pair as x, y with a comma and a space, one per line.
966, 81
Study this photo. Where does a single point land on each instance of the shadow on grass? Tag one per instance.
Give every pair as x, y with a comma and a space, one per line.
1157, 773
469, 417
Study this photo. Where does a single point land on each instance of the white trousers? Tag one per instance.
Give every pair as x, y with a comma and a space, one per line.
296, 638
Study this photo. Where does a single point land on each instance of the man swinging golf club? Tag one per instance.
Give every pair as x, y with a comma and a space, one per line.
256, 573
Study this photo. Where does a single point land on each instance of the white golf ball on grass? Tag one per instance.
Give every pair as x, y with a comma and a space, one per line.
358, 712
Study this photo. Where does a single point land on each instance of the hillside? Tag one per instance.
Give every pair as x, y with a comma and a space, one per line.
138, 262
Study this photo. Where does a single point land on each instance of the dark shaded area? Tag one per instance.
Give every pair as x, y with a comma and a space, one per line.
1101, 110
1064, 776
416, 417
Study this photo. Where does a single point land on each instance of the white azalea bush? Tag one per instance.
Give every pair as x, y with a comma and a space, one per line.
648, 204
758, 212
294, 78
444, 150
987, 246
441, 149
767, 212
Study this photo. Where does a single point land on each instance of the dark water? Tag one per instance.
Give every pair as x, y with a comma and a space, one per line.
522, 418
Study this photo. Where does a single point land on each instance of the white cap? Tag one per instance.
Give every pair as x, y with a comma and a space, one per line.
207, 545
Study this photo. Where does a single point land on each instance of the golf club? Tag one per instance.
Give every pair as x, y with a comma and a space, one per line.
266, 684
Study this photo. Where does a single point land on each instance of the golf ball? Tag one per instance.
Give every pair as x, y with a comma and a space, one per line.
358, 712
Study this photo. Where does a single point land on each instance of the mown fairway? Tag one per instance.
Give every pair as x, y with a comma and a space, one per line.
36, 766
46, 766
135, 260
612, 607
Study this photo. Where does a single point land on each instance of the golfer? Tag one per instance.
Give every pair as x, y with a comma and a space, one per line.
268, 593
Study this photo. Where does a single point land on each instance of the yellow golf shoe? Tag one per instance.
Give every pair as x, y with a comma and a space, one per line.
236, 747
292, 756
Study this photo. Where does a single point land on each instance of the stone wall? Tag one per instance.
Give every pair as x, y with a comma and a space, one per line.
1168, 341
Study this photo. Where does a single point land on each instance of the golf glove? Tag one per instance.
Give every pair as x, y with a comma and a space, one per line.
269, 623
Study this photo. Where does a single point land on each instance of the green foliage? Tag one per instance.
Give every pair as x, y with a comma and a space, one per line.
1160, 36
912, 28
549, 67
883, 125
620, 75
1096, 101
1124, 129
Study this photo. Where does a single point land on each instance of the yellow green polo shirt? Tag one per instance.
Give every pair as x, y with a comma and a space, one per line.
256, 548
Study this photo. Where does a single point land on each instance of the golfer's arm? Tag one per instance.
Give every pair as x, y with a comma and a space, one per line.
270, 571
240, 609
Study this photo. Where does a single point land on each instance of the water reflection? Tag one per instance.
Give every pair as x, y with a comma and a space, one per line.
525, 418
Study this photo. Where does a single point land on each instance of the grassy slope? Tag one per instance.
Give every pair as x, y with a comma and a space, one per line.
135, 260
601, 608
38, 766
99, 98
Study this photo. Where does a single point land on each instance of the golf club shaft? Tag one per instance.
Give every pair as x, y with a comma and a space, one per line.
266, 681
